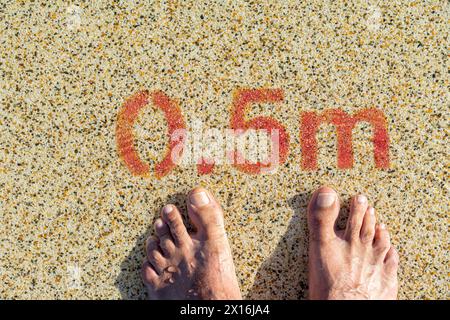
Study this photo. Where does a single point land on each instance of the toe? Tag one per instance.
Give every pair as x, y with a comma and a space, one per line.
165, 239
149, 275
161, 228
205, 213
154, 255
391, 261
358, 208
368, 226
178, 231
323, 210
382, 243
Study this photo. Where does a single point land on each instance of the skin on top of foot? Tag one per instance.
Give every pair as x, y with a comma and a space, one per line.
356, 263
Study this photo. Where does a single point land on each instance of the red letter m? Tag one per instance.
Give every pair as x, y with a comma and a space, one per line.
310, 122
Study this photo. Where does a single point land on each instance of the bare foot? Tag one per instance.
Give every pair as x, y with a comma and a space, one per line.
356, 263
197, 266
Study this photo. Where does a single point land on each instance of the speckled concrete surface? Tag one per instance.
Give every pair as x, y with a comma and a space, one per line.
73, 218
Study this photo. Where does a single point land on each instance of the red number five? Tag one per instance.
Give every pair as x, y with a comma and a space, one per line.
125, 137
242, 99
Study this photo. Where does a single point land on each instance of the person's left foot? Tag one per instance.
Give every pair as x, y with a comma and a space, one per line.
184, 266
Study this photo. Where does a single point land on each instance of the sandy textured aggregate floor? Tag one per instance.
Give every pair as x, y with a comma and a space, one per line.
73, 218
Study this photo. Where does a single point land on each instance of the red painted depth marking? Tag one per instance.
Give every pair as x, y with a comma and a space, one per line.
310, 122
125, 135
206, 166
241, 101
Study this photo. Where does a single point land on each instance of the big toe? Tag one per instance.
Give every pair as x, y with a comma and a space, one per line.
323, 210
206, 213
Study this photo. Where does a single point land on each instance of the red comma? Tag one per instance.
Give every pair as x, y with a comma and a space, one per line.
205, 166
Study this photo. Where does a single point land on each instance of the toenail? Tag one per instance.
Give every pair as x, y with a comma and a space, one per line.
150, 239
382, 226
372, 211
199, 199
171, 269
167, 209
361, 199
325, 199
159, 223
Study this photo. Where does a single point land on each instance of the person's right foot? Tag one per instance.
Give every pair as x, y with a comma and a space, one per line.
180, 265
356, 263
